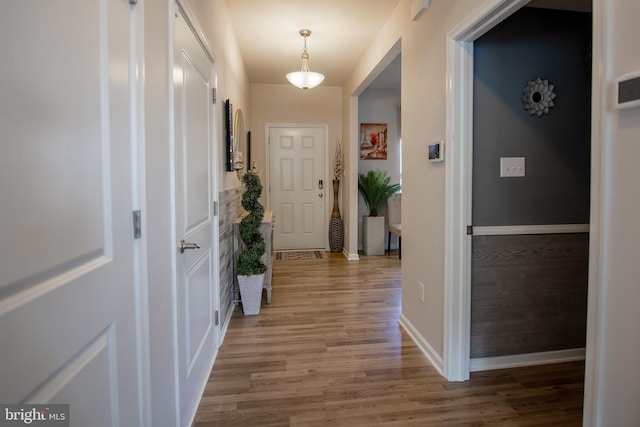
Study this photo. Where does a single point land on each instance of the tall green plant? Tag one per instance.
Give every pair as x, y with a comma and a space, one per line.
375, 189
250, 259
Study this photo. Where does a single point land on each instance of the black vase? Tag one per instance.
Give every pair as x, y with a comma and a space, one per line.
336, 226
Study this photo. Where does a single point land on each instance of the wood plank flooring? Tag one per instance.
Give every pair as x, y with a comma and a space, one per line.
328, 351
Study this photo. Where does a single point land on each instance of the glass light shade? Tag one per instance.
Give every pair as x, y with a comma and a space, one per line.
305, 79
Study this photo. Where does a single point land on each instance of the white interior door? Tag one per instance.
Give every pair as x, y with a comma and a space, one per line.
298, 186
197, 283
68, 298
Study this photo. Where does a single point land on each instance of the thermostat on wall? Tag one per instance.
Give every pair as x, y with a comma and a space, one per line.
627, 91
436, 153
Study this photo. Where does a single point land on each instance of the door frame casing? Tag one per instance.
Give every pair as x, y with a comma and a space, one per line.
267, 177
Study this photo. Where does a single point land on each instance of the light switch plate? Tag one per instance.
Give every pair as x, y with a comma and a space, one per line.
511, 166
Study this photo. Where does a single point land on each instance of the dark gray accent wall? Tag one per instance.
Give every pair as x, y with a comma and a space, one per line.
533, 43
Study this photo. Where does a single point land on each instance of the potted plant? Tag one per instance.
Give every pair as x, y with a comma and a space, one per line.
251, 267
375, 189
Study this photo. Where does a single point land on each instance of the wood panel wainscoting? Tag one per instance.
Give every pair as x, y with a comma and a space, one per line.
528, 293
230, 209
329, 352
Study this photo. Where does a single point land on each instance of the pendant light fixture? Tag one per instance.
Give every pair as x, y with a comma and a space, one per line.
305, 78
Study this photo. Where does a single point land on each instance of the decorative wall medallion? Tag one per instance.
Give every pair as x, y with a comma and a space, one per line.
538, 97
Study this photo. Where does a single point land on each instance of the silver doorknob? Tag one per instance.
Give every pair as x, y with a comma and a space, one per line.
184, 246
321, 195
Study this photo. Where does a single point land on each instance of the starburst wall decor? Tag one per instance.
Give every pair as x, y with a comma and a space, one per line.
538, 97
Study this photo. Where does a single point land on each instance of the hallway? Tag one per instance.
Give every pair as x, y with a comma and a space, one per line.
329, 351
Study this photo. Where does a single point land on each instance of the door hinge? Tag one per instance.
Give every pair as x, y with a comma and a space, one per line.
137, 224
216, 318
469, 230
214, 97
215, 208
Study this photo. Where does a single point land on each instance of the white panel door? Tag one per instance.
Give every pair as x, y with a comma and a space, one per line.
197, 288
68, 297
298, 187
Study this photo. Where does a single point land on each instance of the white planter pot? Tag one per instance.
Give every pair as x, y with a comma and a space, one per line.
373, 235
251, 293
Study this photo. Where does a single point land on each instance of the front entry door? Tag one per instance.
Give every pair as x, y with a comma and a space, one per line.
298, 186
196, 251
69, 297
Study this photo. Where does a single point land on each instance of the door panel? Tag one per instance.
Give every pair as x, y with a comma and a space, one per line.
197, 286
297, 166
68, 299
199, 318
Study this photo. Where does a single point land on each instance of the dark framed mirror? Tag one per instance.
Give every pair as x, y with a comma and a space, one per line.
228, 135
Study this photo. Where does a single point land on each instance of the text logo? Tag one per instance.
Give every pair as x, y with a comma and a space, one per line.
34, 415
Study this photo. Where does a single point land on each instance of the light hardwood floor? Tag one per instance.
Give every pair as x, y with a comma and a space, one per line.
329, 351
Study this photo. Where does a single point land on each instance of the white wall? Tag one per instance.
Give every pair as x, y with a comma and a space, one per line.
233, 83
613, 340
380, 106
287, 104
423, 183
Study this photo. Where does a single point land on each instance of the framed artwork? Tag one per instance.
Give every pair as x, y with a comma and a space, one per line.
435, 152
373, 141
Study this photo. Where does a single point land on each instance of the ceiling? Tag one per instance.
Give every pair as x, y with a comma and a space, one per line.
267, 33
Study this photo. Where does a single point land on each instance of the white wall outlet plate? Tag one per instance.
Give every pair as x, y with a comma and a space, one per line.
511, 167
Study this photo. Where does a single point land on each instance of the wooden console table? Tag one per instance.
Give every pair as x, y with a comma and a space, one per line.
266, 228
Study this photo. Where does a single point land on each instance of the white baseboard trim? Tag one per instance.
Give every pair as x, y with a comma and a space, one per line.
351, 257
530, 359
422, 344
223, 331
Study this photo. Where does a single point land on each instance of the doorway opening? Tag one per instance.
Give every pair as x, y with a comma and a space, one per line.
460, 101
381, 87
379, 115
